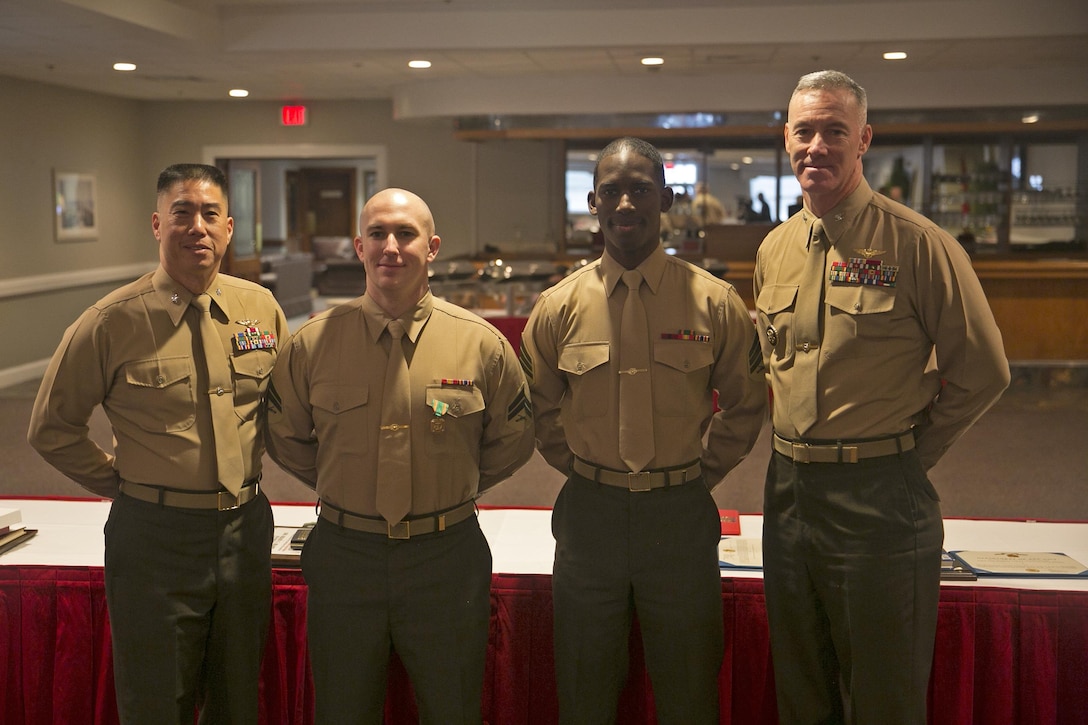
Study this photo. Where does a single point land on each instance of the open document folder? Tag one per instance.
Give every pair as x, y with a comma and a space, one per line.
1021, 563
738, 552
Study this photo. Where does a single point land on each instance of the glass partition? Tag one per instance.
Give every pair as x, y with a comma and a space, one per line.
1044, 202
992, 193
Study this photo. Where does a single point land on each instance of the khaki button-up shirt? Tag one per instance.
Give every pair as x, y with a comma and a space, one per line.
132, 352
702, 341
471, 423
908, 337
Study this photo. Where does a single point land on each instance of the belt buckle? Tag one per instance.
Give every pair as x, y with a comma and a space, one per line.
399, 531
800, 452
229, 504
638, 481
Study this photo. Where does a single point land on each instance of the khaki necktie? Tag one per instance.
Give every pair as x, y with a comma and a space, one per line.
228, 446
806, 333
636, 394
395, 438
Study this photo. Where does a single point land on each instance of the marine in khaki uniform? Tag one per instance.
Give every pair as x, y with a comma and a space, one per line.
188, 579
636, 527
898, 355
417, 581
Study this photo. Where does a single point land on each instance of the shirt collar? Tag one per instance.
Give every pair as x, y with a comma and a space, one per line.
176, 299
652, 269
376, 318
839, 219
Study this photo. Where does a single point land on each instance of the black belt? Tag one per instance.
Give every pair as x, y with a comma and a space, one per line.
218, 500
642, 481
415, 526
843, 451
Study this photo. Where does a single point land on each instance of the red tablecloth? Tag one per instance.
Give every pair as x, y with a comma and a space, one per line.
1002, 656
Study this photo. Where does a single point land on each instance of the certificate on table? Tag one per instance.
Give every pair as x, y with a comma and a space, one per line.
736, 552
1021, 563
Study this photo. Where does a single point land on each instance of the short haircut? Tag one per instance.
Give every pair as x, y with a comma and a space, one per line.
640, 147
833, 80
192, 172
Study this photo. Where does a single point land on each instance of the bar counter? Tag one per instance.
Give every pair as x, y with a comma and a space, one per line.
1040, 300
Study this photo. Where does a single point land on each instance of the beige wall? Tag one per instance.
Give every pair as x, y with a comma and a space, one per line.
42, 129
506, 194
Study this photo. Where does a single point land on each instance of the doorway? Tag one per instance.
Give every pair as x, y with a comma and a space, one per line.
280, 220
321, 202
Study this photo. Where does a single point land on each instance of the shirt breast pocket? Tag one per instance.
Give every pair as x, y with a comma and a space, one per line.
456, 416
774, 310
160, 394
341, 410
586, 366
251, 371
857, 323
681, 375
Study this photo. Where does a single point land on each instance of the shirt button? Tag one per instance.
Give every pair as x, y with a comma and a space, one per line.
160, 380
804, 346
219, 391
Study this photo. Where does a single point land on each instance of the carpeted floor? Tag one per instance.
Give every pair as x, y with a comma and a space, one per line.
1026, 458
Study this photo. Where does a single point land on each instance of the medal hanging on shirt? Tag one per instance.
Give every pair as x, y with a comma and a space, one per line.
438, 423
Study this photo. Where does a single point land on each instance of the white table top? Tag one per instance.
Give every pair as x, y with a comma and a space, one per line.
70, 534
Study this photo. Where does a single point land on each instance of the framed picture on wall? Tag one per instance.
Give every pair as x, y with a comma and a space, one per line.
75, 206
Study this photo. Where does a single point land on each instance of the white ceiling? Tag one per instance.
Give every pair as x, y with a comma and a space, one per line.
554, 56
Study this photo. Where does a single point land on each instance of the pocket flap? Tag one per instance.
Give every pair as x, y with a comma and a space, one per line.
338, 397
683, 355
253, 364
457, 401
580, 357
158, 372
776, 297
860, 300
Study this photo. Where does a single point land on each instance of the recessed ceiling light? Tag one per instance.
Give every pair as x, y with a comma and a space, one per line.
653, 61
895, 55
238, 93
419, 64
746, 159
1030, 118
124, 66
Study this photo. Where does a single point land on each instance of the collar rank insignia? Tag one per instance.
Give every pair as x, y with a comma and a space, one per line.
858, 270
252, 338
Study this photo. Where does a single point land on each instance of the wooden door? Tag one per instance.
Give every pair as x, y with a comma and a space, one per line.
325, 202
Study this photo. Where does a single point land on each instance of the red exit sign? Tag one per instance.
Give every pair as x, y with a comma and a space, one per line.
293, 115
